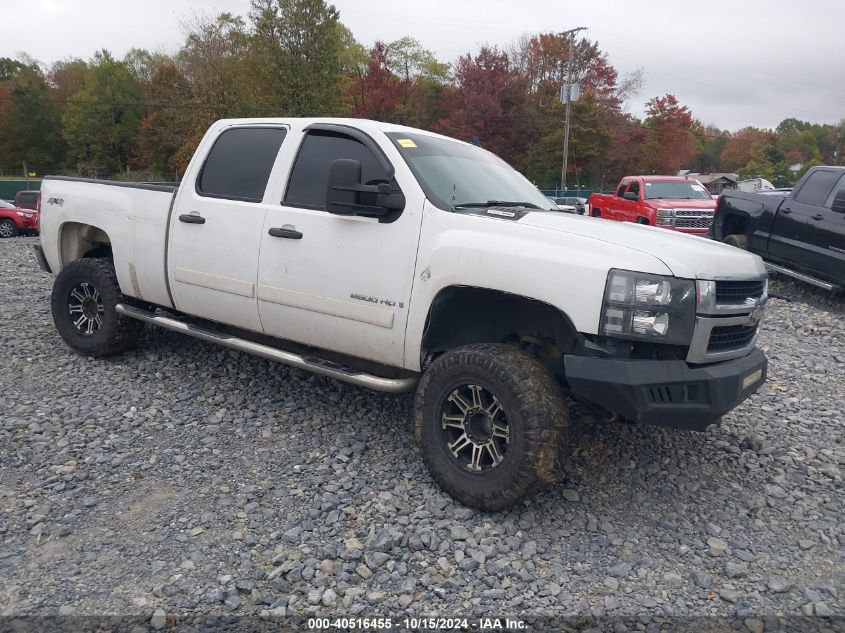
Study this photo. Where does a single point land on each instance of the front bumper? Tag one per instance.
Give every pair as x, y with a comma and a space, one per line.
666, 393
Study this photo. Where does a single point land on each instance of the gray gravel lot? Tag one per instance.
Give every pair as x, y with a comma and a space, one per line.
189, 479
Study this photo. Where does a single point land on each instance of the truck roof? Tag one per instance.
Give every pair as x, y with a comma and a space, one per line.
366, 125
655, 178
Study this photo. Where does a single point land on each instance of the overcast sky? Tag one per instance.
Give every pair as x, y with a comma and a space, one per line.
737, 63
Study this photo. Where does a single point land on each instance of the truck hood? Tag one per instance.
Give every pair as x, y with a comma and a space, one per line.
687, 256
682, 203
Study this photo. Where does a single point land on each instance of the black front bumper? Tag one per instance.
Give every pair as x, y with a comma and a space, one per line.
666, 393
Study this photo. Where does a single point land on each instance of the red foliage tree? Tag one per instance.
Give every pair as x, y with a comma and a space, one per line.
670, 143
378, 91
488, 102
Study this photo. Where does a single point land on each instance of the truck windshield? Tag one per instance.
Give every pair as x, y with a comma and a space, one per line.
674, 189
454, 174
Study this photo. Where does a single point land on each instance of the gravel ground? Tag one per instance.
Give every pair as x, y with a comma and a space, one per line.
186, 480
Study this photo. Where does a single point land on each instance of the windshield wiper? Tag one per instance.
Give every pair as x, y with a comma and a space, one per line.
496, 203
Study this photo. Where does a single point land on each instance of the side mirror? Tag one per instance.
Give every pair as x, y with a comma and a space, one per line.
839, 202
629, 195
347, 195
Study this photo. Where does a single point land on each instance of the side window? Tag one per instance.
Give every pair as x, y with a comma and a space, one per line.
839, 185
815, 189
239, 164
634, 188
309, 177
621, 189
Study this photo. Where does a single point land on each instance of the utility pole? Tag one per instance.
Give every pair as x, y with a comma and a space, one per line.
571, 33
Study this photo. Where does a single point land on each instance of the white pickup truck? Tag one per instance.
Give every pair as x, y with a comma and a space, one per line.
401, 260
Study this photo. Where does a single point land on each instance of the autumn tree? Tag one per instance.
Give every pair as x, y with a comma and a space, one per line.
487, 104
543, 60
101, 121
670, 144
378, 91
29, 120
423, 79
297, 48
169, 131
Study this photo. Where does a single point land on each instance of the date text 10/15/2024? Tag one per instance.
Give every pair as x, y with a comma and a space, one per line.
417, 624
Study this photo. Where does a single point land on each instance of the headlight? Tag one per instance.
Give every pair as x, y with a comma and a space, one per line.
665, 217
24, 215
649, 307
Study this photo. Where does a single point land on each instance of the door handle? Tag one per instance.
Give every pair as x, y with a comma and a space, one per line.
287, 233
192, 218
786, 210
818, 216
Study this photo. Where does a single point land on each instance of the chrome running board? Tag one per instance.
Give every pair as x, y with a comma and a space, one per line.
800, 276
312, 364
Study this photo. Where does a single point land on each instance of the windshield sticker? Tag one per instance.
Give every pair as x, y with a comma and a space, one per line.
648, 184
697, 188
505, 214
406, 142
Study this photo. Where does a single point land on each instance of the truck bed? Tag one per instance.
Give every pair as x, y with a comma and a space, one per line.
130, 217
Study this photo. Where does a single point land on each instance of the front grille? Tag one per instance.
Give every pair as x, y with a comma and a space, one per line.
738, 292
693, 213
693, 218
730, 337
693, 223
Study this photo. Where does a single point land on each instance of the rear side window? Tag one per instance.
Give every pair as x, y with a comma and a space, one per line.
239, 164
818, 185
309, 177
621, 189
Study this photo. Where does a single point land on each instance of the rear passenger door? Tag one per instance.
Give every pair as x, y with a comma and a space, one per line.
216, 226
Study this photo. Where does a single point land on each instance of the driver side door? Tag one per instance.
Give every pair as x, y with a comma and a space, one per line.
340, 282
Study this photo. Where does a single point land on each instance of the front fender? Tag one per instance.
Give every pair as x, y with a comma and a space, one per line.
565, 270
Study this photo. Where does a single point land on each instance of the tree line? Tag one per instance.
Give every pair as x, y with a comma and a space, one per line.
142, 116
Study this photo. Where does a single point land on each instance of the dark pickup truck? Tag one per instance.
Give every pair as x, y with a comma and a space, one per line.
801, 235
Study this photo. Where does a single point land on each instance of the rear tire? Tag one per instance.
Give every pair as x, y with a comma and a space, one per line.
8, 228
83, 302
596, 213
740, 241
490, 421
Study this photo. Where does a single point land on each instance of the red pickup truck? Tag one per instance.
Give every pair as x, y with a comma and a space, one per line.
28, 200
677, 203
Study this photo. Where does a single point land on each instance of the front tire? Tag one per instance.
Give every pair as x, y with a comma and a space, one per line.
490, 421
740, 241
8, 228
83, 302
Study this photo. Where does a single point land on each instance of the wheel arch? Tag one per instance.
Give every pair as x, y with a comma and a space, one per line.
734, 223
78, 240
464, 315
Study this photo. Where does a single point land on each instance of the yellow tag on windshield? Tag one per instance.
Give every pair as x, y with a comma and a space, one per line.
406, 142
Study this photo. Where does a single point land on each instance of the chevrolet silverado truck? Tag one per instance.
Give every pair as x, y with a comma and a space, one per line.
402, 261
677, 203
800, 233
